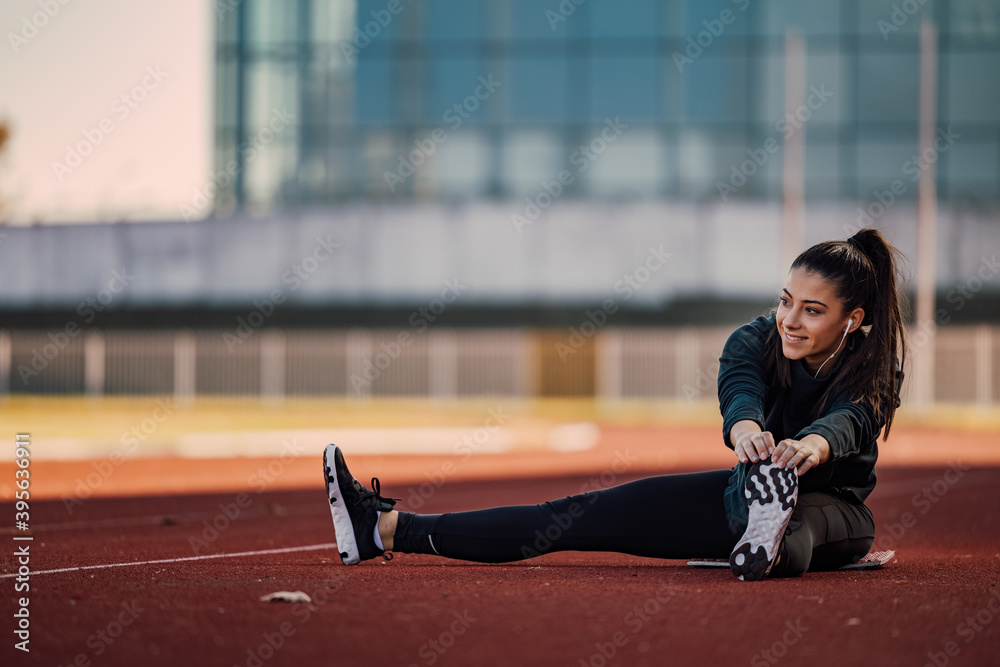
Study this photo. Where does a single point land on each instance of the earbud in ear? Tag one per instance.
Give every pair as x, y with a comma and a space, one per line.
850, 323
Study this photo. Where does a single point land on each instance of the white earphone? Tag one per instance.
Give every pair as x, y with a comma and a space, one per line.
850, 323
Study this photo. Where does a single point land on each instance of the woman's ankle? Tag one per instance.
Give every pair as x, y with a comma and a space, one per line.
387, 528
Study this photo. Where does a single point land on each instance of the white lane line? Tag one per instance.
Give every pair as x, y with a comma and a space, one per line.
311, 547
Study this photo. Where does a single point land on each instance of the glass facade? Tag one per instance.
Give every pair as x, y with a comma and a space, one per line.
326, 101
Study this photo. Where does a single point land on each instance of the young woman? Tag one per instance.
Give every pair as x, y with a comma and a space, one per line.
803, 393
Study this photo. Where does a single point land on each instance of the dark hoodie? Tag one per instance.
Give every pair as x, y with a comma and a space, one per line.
852, 429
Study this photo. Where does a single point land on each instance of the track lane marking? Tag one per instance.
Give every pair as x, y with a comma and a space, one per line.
311, 547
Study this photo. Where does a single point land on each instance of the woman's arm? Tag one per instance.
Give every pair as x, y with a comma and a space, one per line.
841, 432
742, 384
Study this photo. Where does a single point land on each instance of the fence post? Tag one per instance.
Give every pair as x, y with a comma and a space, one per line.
6, 358
609, 365
93, 363
185, 355
984, 365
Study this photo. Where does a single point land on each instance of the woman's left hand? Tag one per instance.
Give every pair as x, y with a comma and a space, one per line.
803, 454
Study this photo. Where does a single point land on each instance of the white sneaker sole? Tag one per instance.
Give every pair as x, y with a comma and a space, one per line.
347, 543
771, 492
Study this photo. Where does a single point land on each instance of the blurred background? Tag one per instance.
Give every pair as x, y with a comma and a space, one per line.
503, 200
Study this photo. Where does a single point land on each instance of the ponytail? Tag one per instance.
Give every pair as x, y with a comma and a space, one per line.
863, 272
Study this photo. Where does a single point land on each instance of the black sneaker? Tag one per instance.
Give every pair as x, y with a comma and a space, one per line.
771, 493
354, 509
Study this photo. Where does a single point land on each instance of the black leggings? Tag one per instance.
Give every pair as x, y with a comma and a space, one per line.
669, 516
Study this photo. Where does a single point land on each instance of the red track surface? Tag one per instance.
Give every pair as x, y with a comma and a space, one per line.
941, 595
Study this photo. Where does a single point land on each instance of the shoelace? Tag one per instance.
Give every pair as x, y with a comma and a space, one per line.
376, 492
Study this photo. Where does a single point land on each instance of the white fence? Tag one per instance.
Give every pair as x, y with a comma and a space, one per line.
612, 363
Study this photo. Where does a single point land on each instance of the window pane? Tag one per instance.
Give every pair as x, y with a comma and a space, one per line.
805, 16
447, 19
530, 157
881, 163
452, 87
459, 167
710, 16
822, 169
972, 169
271, 87
272, 22
827, 96
888, 87
973, 93
375, 22
331, 22
623, 85
975, 21
531, 19
706, 159
886, 20
537, 88
616, 19
632, 165
374, 85
715, 90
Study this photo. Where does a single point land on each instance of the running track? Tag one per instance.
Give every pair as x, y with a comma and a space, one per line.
938, 603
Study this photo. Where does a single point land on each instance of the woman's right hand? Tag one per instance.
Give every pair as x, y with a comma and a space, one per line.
749, 442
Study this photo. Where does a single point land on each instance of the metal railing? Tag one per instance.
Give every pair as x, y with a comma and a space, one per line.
609, 363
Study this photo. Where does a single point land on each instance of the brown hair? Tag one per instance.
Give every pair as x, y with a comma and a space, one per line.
863, 273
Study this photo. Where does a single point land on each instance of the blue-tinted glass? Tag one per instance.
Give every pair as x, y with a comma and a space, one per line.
806, 16
826, 94
973, 168
822, 169
672, 19
374, 90
447, 19
715, 90
624, 86
670, 89
888, 87
973, 94
537, 89
887, 19
717, 18
377, 23
455, 81
882, 162
271, 21
974, 22
537, 19
636, 18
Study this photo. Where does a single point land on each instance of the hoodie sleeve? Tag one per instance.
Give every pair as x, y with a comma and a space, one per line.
742, 384
846, 426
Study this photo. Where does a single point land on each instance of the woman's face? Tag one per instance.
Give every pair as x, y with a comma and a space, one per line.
811, 320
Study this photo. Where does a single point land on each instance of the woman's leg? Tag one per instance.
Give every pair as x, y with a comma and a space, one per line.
669, 516
824, 533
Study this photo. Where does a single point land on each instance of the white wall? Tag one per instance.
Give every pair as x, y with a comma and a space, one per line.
574, 252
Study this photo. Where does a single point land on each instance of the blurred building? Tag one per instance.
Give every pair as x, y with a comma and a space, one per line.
386, 101
522, 197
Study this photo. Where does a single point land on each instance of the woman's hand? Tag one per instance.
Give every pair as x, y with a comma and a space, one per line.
803, 454
749, 442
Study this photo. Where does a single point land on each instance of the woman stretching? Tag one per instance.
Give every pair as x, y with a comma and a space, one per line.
803, 393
